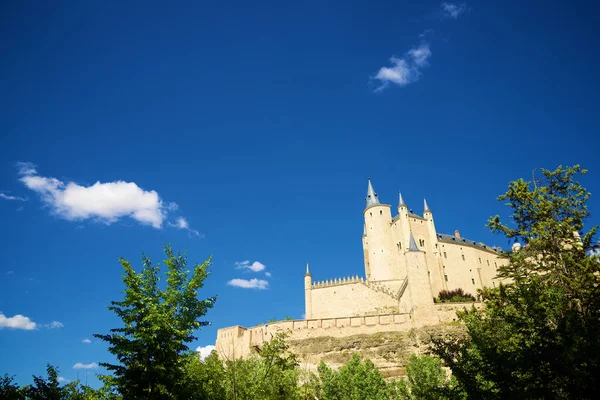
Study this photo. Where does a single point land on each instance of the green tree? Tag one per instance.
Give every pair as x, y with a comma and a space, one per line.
539, 335
355, 380
9, 390
45, 388
426, 380
157, 325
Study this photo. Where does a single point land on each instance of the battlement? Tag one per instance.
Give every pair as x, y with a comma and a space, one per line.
337, 282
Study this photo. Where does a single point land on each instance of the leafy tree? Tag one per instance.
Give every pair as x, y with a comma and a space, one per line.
9, 390
426, 380
355, 380
539, 335
157, 325
45, 389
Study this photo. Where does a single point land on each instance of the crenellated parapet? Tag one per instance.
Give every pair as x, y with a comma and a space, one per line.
337, 282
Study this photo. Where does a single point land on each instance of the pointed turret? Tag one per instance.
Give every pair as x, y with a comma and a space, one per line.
307, 271
425, 207
412, 244
401, 202
371, 195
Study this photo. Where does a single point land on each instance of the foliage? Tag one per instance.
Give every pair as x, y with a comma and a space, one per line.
45, 389
427, 380
157, 325
454, 296
9, 390
354, 381
270, 374
539, 335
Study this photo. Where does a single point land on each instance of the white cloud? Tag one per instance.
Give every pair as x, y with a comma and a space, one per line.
181, 223
54, 325
88, 341
452, 10
8, 197
17, 322
9, 273
256, 266
106, 202
268, 274
249, 284
205, 351
85, 366
62, 379
404, 70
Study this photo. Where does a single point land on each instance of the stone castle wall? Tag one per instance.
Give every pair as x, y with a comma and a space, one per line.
239, 342
351, 297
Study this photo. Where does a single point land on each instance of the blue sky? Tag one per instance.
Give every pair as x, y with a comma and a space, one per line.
247, 132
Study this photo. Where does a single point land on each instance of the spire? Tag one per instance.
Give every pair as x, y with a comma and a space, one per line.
307, 270
371, 195
413, 245
401, 202
425, 206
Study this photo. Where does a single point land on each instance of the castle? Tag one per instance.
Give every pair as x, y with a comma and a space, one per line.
407, 263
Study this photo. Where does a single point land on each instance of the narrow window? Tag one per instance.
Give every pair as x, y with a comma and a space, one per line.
488, 262
371, 214
463, 257
380, 212
445, 255
473, 280
495, 265
446, 278
479, 260
436, 246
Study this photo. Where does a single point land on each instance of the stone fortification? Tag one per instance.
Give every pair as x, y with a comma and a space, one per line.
407, 263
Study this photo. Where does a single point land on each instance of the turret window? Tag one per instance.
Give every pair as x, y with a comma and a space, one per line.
473, 280
445, 255
479, 260
488, 262
446, 278
463, 257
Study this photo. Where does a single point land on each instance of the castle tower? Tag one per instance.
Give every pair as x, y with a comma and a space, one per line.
421, 297
307, 294
435, 262
380, 260
404, 234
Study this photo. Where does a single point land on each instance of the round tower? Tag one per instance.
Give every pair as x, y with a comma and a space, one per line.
307, 294
380, 265
435, 261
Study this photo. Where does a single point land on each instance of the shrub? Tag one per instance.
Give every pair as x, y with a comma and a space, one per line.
454, 296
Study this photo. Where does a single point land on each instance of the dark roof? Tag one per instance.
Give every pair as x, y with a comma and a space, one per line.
442, 237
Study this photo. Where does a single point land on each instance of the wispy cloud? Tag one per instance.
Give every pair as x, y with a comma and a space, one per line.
17, 322
452, 10
268, 274
405, 70
205, 351
85, 366
256, 266
87, 341
9, 273
181, 223
62, 379
54, 325
105, 202
12, 198
249, 283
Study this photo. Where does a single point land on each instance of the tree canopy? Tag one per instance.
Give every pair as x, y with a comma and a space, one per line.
157, 325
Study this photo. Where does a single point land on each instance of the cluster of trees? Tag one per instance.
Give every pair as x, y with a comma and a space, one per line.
538, 336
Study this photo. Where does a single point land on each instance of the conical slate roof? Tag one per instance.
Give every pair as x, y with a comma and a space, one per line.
371, 195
